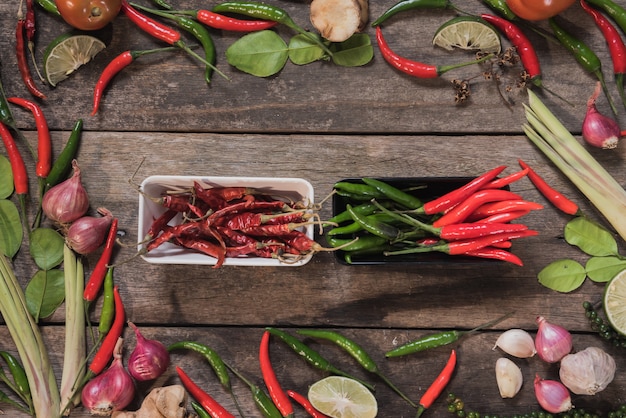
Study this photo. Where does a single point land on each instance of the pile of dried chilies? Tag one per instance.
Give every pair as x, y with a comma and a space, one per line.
472, 220
224, 222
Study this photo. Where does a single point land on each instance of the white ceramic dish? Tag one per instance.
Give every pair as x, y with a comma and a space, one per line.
155, 186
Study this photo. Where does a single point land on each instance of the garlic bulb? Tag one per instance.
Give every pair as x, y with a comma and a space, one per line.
587, 372
517, 343
509, 377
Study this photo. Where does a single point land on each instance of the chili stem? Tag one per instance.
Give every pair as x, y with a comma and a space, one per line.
445, 68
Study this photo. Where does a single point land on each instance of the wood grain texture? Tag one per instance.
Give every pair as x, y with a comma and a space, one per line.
323, 123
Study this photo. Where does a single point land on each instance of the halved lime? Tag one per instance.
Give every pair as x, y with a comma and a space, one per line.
342, 397
468, 32
615, 302
67, 53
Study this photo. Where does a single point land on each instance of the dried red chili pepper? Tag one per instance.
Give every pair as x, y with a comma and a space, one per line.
464, 209
206, 247
208, 403
306, 404
94, 283
44, 144
18, 168
416, 68
105, 352
278, 395
438, 385
448, 200
22, 62
118, 63
556, 198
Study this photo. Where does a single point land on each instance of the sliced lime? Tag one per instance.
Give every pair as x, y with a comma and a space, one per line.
468, 32
342, 397
67, 53
615, 302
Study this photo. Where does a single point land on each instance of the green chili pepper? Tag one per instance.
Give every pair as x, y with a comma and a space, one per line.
366, 242
584, 55
267, 12
49, 6
19, 376
6, 116
364, 209
358, 353
375, 227
108, 304
357, 191
162, 4
262, 399
355, 227
405, 5
401, 197
198, 30
199, 410
311, 356
500, 7
438, 339
63, 164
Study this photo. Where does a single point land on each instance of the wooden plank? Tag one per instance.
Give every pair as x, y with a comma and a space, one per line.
166, 92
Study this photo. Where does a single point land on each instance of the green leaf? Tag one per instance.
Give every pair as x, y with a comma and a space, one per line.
45, 293
11, 233
562, 275
6, 178
590, 237
603, 269
46, 248
261, 53
353, 52
302, 50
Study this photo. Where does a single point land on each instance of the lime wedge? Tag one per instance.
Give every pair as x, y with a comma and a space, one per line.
615, 302
67, 53
468, 32
342, 397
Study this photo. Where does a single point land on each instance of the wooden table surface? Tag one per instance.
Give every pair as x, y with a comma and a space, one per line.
322, 122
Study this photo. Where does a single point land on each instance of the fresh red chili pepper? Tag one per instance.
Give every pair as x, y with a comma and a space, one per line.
208, 403
100, 270
278, 395
504, 217
461, 211
306, 404
22, 63
556, 198
20, 176
497, 254
505, 181
522, 44
438, 385
617, 47
416, 68
151, 26
44, 144
476, 230
118, 63
219, 21
105, 352
448, 200
505, 206
464, 246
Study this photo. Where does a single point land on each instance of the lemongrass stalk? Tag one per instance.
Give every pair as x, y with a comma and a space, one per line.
75, 341
587, 174
29, 344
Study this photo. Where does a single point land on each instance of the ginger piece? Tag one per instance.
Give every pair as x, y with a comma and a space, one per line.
162, 402
337, 20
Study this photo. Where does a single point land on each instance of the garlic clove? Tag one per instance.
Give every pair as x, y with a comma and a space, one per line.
517, 343
587, 372
508, 377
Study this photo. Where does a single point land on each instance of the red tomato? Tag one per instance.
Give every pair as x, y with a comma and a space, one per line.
88, 14
538, 9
